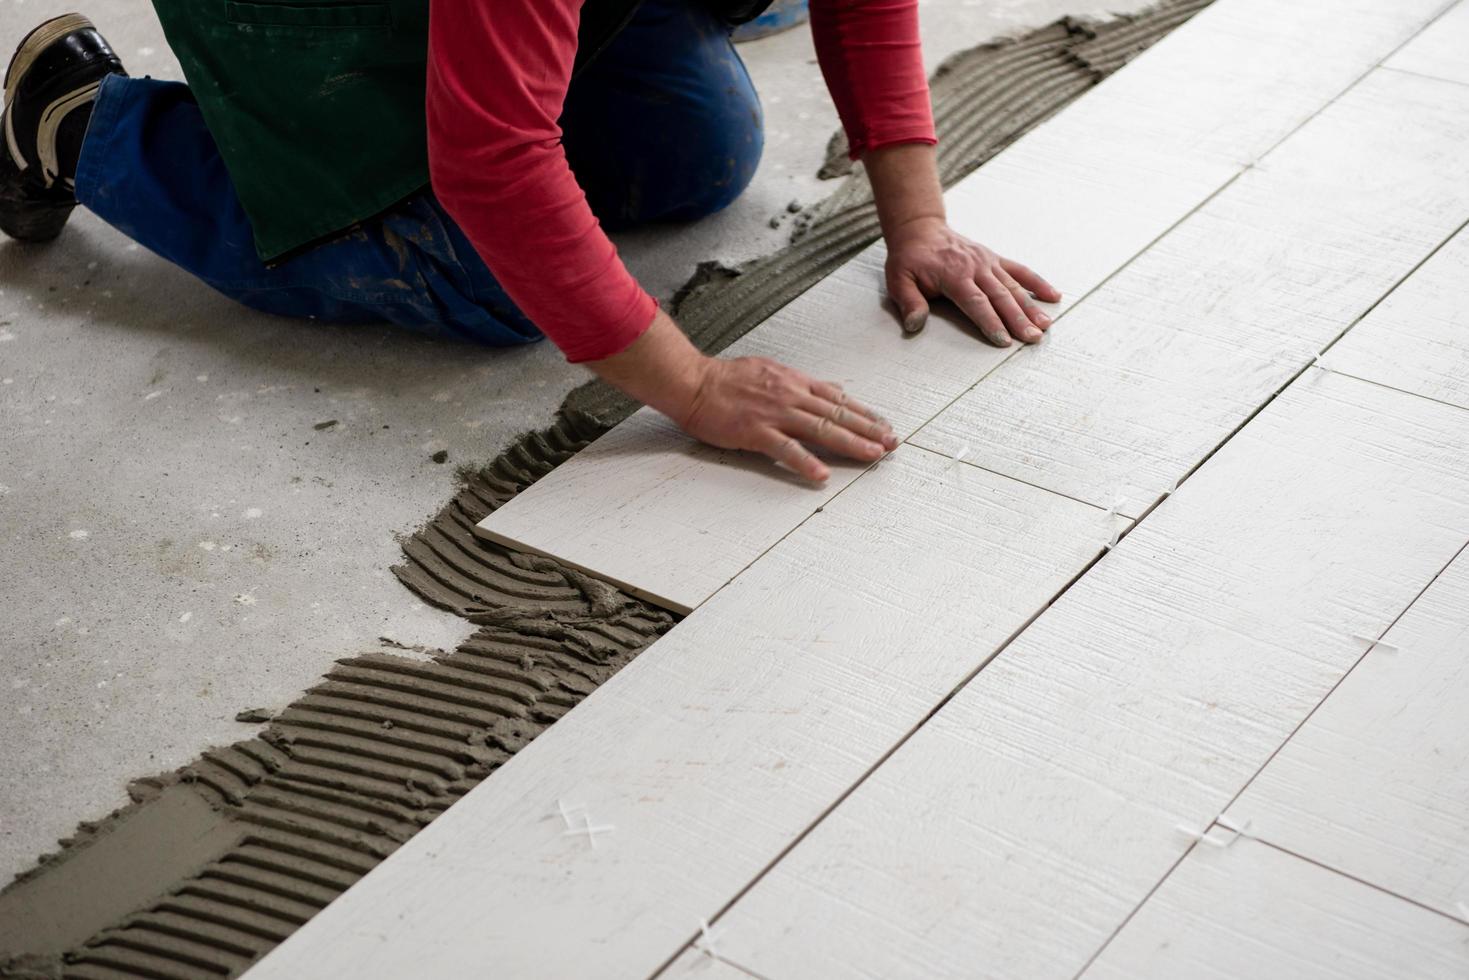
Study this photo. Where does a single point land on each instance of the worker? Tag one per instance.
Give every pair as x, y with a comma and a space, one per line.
453, 166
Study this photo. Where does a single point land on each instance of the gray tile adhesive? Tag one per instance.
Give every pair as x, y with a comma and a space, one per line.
212, 865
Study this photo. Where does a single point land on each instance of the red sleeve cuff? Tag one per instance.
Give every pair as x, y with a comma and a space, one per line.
918, 136
617, 336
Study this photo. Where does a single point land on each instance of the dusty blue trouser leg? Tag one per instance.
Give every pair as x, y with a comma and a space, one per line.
150, 168
663, 126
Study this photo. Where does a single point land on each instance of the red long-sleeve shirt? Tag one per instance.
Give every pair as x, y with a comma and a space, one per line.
498, 74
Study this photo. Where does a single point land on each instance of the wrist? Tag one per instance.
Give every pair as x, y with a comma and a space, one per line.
678, 397
914, 226
906, 188
662, 369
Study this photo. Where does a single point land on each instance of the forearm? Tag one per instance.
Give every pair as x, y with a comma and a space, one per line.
662, 369
905, 185
872, 60
496, 84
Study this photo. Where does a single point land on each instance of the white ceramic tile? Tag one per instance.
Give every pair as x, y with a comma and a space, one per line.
1018, 828
672, 520
1141, 381
1376, 783
1442, 50
1252, 911
716, 747
1242, 74
1418, 338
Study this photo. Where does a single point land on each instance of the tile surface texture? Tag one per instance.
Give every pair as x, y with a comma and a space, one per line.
1440, 50
713, 749
1417, 339
1160, 365
1374, 783
1252, 911
1024, 822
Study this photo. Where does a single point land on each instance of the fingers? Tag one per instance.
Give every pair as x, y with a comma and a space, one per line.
832, 421
1033, 313
976, 305
993, 307
787, 444
912, 306
764, 406
1015, 319
830, 402
833, 392
788, 452
821, 430
1042, 290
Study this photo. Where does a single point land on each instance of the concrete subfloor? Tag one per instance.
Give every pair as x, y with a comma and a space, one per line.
182, 541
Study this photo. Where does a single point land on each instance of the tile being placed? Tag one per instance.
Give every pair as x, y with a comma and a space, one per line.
671, 520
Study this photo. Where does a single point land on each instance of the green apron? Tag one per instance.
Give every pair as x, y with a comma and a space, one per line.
317, 107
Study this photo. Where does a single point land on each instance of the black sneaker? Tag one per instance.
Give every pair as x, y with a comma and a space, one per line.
49, 90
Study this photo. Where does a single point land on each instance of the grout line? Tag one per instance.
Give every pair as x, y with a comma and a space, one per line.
1377, 67
887, 754
1245, 168
1419, 74
1225, 809
1361, 881
735, 966
723, 960
1016, 351
1015, 479
1388, 387
1462, 227
1341, 680
827, 811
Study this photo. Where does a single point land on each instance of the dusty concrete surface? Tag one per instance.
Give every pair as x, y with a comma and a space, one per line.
182, 540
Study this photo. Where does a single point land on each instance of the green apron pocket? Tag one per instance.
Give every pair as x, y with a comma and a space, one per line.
306, 19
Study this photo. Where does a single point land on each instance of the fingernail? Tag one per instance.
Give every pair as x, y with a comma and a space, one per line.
1002, 340
1044, 320
890, 441
914, 322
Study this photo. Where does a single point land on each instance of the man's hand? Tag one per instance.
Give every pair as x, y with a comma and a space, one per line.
928, 259
763, 406
746, 403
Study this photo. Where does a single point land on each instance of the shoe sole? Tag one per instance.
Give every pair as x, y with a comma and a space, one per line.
26, 53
